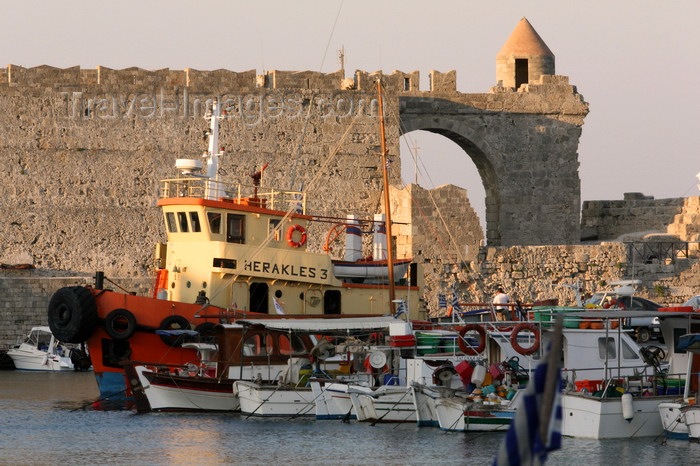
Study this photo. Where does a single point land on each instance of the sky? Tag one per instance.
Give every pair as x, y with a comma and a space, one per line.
635, 62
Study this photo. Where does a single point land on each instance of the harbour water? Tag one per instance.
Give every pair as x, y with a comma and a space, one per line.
48, 418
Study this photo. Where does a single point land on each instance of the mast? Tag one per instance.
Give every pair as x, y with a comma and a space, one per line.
387, 205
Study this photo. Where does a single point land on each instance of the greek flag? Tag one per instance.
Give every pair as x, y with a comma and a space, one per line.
536, 429
278, 306
442, 301
455, 303
401, 309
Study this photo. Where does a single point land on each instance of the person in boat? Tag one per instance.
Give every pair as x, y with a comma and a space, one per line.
499, 300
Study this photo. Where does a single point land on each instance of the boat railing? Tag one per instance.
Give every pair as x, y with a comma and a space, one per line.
257, 196
644, 382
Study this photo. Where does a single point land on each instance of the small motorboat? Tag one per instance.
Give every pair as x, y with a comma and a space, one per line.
41, 351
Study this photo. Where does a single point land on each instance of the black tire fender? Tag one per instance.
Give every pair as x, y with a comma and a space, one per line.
173, 322
120, 324
72, 314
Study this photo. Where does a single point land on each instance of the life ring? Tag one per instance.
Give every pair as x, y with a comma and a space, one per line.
290, 236
72, 314
120, 324
468, 349
173, 322
514, 338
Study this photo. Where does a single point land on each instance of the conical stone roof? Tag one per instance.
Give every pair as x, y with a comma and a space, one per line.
524, 41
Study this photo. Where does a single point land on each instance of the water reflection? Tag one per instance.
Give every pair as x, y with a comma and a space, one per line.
44, 421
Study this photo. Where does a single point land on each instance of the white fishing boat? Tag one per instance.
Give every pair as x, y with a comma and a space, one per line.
681, 417
628, 406
463, 414
41, 351
193, 387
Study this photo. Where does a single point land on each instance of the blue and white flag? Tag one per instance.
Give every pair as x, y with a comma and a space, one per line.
442, 301
278, 306
455, 302
401, 309
539, 411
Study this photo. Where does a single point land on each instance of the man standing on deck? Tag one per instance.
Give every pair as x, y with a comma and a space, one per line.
499, 300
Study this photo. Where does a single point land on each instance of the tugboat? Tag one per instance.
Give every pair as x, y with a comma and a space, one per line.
232, 251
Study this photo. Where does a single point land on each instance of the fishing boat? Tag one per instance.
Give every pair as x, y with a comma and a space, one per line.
41, 351
232, 250
628, 406
681, 417
292, 387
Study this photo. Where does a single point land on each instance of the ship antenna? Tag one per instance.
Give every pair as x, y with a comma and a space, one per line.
214, 188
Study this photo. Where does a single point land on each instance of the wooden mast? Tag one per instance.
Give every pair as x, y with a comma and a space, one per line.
387, 205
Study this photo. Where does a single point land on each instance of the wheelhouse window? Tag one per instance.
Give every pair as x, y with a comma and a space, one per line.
194, 221
606, 345
170, 221
274, 232
235, 228
182, 221
214, 219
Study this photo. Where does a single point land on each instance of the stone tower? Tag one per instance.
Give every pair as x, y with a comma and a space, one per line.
523, 58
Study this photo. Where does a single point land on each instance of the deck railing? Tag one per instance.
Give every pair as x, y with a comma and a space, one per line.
259, 196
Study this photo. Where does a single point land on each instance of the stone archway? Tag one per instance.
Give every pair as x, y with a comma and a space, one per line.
524, 145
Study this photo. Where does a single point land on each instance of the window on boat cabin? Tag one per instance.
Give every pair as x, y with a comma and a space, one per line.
293, 346
214, 219
273, 231
194, 221
628, 352
607, 345
170, 221
182, 220
235, 228
258, 345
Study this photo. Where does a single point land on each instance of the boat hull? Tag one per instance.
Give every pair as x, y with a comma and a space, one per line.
39, 361
386, 404
169, 392
465, 416
673, 420
274, 400
586, 416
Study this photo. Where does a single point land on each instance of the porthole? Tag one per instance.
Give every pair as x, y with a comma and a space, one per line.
278, 294
189, 284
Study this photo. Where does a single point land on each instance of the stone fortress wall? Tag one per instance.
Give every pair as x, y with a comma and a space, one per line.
82, 151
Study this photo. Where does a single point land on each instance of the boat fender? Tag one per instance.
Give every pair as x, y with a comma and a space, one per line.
464, 346
479, 375
120, 324
206, 330
514, 338
72, 314
173, 322
627, 407
295, 243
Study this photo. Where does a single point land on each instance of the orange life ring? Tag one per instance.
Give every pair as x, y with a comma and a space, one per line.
466, 349
514, 338
290, 236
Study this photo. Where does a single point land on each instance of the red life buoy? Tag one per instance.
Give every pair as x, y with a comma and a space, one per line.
514, 338
467, 349
290, 236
